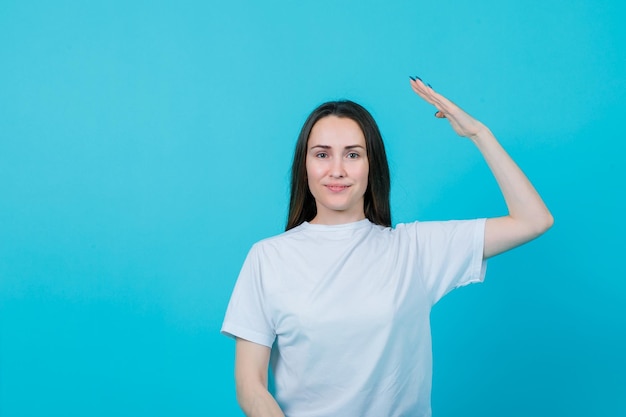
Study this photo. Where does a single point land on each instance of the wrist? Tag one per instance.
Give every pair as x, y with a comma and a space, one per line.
481, 135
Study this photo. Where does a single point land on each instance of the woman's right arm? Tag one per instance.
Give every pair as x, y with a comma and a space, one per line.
251, 366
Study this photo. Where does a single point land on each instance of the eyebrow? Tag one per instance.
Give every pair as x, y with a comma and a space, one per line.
330, 147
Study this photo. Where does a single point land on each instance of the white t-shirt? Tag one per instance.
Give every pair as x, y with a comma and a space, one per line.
346, 311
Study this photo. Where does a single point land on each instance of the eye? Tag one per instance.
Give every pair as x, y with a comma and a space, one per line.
321, 155
353, 155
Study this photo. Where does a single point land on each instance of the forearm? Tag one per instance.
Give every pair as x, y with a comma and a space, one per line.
256, 401
528, 216
522, 200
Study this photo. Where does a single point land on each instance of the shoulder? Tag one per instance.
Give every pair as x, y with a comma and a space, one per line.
435, 224
444, 227
281, 240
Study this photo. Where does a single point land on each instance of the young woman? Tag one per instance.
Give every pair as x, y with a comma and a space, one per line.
339, 304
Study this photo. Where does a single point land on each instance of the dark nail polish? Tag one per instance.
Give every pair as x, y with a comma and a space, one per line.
429, 85
412, 78
418, 78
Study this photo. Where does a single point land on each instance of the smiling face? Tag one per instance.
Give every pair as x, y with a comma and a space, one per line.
337, 170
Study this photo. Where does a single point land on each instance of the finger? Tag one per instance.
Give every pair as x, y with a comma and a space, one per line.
447, 107
423, 91
441, 103
427, 92
430, 99
420, 85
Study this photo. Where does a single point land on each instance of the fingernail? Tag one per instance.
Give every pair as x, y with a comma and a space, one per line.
418, 78
429, 85
412, 78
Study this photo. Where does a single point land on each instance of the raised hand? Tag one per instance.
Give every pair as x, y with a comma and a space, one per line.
462, 123
528, 216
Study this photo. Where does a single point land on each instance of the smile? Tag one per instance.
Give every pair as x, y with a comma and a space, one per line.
337, 188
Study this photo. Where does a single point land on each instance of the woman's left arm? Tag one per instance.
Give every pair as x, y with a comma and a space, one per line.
528, 216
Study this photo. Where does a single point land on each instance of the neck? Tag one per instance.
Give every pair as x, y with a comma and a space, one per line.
337, 218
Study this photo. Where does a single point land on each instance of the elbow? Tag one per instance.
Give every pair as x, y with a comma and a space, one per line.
550, 221
543, 223
536, 225
245, 396
245, 399
250, 397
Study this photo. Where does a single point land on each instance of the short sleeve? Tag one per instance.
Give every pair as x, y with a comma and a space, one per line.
450, 255
246, 315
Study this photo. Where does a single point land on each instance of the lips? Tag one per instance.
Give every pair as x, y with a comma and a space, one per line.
337, 187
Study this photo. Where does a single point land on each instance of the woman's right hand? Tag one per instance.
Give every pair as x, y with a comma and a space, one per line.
462, 123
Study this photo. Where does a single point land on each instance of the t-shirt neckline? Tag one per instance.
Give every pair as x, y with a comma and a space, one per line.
337, 227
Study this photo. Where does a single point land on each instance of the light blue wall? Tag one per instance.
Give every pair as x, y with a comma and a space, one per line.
144, 146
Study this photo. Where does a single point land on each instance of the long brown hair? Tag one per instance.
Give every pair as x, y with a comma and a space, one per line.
376, 206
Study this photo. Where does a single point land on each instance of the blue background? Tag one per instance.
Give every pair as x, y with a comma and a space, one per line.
145, 145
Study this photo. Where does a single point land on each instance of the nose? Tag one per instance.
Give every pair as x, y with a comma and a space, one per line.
337, 169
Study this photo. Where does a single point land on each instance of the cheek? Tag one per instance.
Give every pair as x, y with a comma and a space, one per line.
312, 170
365, 173
310, 176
